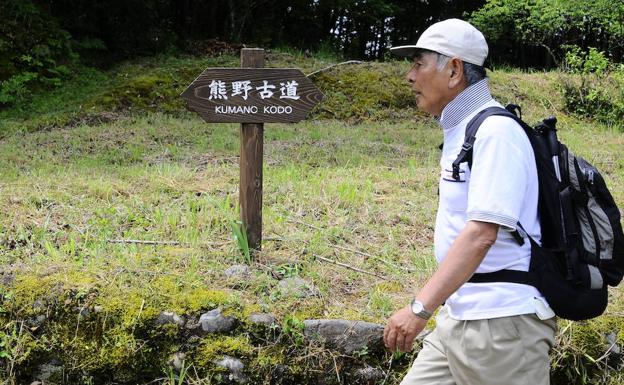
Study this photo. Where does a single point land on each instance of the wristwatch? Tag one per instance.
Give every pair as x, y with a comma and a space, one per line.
419, 310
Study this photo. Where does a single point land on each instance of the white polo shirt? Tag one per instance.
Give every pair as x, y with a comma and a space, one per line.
501, 188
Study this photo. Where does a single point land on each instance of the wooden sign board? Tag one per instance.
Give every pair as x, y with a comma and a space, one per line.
252, 95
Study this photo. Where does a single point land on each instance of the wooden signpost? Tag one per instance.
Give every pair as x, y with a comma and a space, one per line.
252, 95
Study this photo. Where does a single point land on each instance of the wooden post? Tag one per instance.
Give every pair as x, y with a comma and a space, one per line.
251, 154
242, 95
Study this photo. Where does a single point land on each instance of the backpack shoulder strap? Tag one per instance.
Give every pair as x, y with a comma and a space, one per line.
465, 155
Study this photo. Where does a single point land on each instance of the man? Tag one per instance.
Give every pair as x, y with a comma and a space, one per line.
486, 333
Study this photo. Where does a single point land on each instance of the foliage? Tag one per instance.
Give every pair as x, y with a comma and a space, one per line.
577, 61
131, 27
240, 237
361, 92
293, 330
517, 29
594, 96
34, 50
588, 98
174, 378
355, 29
15, 89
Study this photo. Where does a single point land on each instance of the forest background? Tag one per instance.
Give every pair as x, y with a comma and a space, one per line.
42, 40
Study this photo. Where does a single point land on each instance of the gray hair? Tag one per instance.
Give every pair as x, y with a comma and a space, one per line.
472, 72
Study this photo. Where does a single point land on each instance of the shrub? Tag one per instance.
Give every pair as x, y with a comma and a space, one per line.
536, 31
34, 50
592, 61
590, 97
15, 88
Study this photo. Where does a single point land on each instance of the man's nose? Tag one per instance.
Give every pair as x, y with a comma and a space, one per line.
409, 77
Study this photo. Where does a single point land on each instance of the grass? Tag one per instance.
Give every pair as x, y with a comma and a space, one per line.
361, 191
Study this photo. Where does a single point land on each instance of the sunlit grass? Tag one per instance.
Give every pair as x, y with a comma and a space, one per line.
146, 205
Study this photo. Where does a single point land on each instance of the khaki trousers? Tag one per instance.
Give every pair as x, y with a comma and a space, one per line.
499, 351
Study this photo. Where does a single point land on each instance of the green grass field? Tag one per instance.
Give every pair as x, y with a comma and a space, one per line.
91, 170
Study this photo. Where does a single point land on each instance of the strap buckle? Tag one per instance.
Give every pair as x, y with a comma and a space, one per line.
456, 172
467, 146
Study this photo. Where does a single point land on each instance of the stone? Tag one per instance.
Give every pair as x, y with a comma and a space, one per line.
367, 375
167, 317
38, 321
613, 350
212, 322
50, 372
296, 287
235, 368
83, 312
39, 304
194, 339
7, 278
176, 361
345, 336
236, 271
611, 340
263, 319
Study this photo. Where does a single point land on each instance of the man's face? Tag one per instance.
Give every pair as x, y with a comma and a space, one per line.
430, 86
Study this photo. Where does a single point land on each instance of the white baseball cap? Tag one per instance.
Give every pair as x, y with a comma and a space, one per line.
452, 37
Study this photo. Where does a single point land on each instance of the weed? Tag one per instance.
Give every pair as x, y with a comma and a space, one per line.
177, 378
292, 329
240, 237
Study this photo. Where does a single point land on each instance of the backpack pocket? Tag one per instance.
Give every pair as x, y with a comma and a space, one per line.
603, 217
569, 299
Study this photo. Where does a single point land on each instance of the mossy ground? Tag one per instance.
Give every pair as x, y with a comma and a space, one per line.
355, 183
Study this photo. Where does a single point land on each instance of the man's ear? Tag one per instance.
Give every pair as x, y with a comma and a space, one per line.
456, 72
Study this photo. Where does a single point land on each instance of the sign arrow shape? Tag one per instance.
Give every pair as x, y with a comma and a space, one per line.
252, 95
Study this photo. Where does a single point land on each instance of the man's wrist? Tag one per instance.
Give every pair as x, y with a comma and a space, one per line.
418, 309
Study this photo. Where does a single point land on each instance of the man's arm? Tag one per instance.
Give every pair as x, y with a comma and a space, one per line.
462, 260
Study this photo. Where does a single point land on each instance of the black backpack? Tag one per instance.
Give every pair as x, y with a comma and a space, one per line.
582, 244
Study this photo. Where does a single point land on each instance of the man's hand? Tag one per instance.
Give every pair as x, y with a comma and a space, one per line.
401, 330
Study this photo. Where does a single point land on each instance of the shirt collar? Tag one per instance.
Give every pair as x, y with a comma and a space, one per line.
464, 104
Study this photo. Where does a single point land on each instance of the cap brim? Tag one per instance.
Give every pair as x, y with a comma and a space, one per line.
407, 51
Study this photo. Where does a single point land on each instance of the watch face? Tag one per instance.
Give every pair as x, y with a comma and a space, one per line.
417, 307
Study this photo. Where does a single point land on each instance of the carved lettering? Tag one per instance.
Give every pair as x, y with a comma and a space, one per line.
277, 110
236, 109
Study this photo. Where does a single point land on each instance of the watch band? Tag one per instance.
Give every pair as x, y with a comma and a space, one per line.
419, 310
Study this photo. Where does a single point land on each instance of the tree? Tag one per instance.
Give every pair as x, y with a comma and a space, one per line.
536, 32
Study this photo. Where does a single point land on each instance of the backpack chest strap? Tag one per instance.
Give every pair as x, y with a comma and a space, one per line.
465, 155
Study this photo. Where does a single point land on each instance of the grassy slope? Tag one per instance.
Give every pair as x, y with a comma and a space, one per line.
360, 190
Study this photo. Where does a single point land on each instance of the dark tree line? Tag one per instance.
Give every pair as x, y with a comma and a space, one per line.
355, 28
41, 39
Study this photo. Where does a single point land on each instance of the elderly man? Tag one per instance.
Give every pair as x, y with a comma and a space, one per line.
486, 333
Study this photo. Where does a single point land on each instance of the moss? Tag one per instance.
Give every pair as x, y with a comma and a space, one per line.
580, 345
153, 92
367, 91
214, 348
127, 308
201, 298
269, 357
31, 294
170, 293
